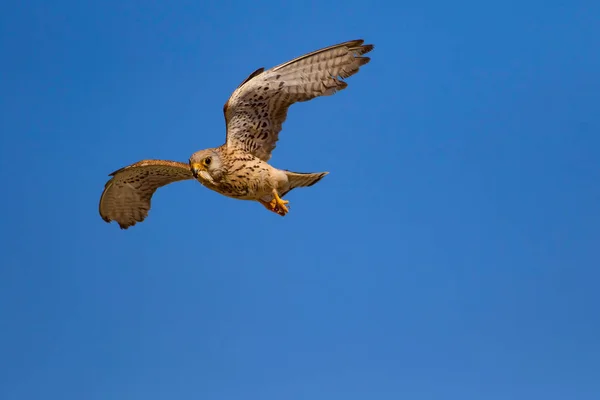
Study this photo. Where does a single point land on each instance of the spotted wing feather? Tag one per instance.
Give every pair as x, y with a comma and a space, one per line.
127, 195
256, 110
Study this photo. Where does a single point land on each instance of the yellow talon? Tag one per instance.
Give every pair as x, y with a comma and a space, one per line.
277, 205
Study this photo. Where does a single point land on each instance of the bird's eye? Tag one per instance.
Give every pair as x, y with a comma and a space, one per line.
207, 161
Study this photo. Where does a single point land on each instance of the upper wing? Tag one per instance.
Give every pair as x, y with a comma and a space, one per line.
257, 109
126, 196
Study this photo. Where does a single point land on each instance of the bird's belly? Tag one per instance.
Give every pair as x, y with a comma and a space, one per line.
243, 188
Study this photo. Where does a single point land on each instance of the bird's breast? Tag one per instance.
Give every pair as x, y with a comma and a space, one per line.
247, 181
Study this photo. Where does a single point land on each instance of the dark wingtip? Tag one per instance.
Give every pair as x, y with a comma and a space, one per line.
367, 48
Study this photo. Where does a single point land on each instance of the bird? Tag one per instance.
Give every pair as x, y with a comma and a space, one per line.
254, 115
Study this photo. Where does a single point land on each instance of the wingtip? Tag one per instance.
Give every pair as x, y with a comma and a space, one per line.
363, 48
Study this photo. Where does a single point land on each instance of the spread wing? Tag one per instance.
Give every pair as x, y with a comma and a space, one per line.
256, 110
126, 196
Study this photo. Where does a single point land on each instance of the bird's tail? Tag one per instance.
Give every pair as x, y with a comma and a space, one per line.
301, 179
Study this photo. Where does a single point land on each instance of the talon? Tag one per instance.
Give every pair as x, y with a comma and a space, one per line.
268, 205
277, 205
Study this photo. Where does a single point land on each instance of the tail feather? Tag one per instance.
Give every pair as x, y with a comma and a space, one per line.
300, 179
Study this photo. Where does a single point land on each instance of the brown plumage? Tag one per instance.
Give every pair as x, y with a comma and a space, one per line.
254, 115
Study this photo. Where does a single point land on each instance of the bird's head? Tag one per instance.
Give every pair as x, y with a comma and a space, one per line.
206, 165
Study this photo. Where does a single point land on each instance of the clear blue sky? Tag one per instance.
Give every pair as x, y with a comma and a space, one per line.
452, 253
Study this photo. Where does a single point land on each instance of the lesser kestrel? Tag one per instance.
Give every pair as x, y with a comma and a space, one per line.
254, 115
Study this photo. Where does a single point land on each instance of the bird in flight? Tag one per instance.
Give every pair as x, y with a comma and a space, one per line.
254, 115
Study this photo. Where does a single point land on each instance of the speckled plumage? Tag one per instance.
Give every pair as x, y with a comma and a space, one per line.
254, 115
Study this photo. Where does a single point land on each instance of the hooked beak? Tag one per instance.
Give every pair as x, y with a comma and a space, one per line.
196, 168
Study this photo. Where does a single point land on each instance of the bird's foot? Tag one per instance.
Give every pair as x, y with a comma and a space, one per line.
277, 205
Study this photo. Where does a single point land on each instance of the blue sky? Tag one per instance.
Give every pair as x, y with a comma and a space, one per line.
452, 253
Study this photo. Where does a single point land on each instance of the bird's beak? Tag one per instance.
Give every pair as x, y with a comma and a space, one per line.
195, 169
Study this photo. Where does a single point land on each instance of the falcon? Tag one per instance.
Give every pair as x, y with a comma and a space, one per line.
254, 115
